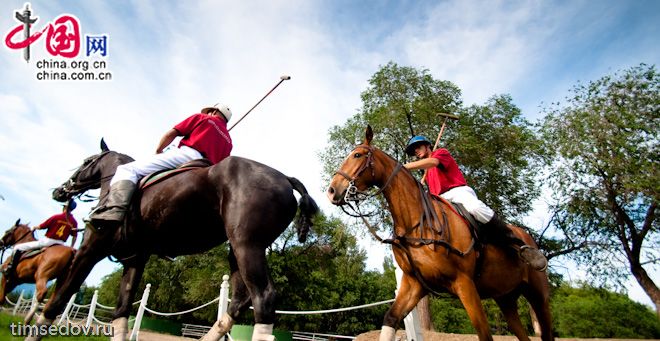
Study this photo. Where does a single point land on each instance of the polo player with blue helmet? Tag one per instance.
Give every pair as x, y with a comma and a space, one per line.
445, 179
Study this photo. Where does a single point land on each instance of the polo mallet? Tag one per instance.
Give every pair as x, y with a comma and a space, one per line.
444, 124
282, 79
442, 130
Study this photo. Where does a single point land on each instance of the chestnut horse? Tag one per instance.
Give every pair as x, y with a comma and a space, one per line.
237, 200
50, 264
438, 253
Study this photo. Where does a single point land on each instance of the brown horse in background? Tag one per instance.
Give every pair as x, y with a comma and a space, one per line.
52, 263
441, 257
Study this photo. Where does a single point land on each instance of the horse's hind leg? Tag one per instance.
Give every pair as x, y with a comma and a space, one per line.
538, 296
509, 306
410, 292
240, 300
251, 262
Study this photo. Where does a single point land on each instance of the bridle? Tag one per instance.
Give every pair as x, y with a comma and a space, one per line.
353, 194
16, 240
75, 188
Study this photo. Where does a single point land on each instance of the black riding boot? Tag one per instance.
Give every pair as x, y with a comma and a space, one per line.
498, 232
112, 213
10, 271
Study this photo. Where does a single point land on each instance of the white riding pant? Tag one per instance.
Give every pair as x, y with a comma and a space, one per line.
37, 244
170, 159
465, 196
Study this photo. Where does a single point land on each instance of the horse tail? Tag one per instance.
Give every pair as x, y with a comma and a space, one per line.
308, 209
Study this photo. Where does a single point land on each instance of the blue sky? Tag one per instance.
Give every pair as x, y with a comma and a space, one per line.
169, 58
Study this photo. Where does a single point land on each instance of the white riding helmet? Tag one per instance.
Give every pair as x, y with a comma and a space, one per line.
224, 110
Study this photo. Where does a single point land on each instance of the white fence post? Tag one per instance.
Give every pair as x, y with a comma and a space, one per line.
138, 317
65, 314
92, 309
18, 302
224, 299
224, 296
411, 321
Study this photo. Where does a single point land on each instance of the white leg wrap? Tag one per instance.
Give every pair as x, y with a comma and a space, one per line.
219, 329
387, 334
119, 329
41, 321
263, 332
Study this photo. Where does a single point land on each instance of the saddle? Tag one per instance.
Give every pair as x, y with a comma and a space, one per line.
472, 223
159, 176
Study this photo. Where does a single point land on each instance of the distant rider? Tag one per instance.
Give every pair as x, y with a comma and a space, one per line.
58, 229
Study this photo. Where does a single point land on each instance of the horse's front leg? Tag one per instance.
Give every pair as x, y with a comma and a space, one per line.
410, 292
40, 292
130, 281
466, 291
89, 254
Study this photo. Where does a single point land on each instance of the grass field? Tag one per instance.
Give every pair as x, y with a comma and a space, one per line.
6, 321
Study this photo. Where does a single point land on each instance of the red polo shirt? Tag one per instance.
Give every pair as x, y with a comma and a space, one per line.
206, 134
446, 175
59, 226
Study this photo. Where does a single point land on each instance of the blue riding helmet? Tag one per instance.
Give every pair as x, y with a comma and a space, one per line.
414, 142
71, 205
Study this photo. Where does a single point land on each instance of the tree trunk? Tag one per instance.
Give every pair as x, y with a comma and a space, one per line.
424, 311
650, 288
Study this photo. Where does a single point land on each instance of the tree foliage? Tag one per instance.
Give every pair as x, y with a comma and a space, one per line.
606, 177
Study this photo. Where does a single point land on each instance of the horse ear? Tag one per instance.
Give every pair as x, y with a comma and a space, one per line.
17, 222
368, 135
104, 147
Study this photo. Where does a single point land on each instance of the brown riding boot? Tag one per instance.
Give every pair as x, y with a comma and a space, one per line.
112, 213
502, 234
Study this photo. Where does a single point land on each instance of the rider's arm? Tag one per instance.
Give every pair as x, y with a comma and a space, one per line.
74, 235
166, 140
427, 163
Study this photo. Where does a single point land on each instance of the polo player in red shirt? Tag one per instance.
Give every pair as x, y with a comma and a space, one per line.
445, 180
205, 135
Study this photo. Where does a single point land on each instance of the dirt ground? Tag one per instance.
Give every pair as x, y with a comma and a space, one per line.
373, 336
434, 336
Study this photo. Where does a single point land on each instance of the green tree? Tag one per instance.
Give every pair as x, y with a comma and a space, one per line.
590, 312
328, 272
606, 176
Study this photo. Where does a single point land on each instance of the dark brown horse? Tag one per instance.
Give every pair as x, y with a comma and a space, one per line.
442, 256
50, 264
237, 200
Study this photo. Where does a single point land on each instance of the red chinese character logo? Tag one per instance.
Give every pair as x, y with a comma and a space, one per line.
61, 41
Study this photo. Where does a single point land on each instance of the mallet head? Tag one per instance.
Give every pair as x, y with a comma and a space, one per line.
285, 77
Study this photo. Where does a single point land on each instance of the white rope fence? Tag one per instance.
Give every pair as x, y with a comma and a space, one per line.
72, 313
